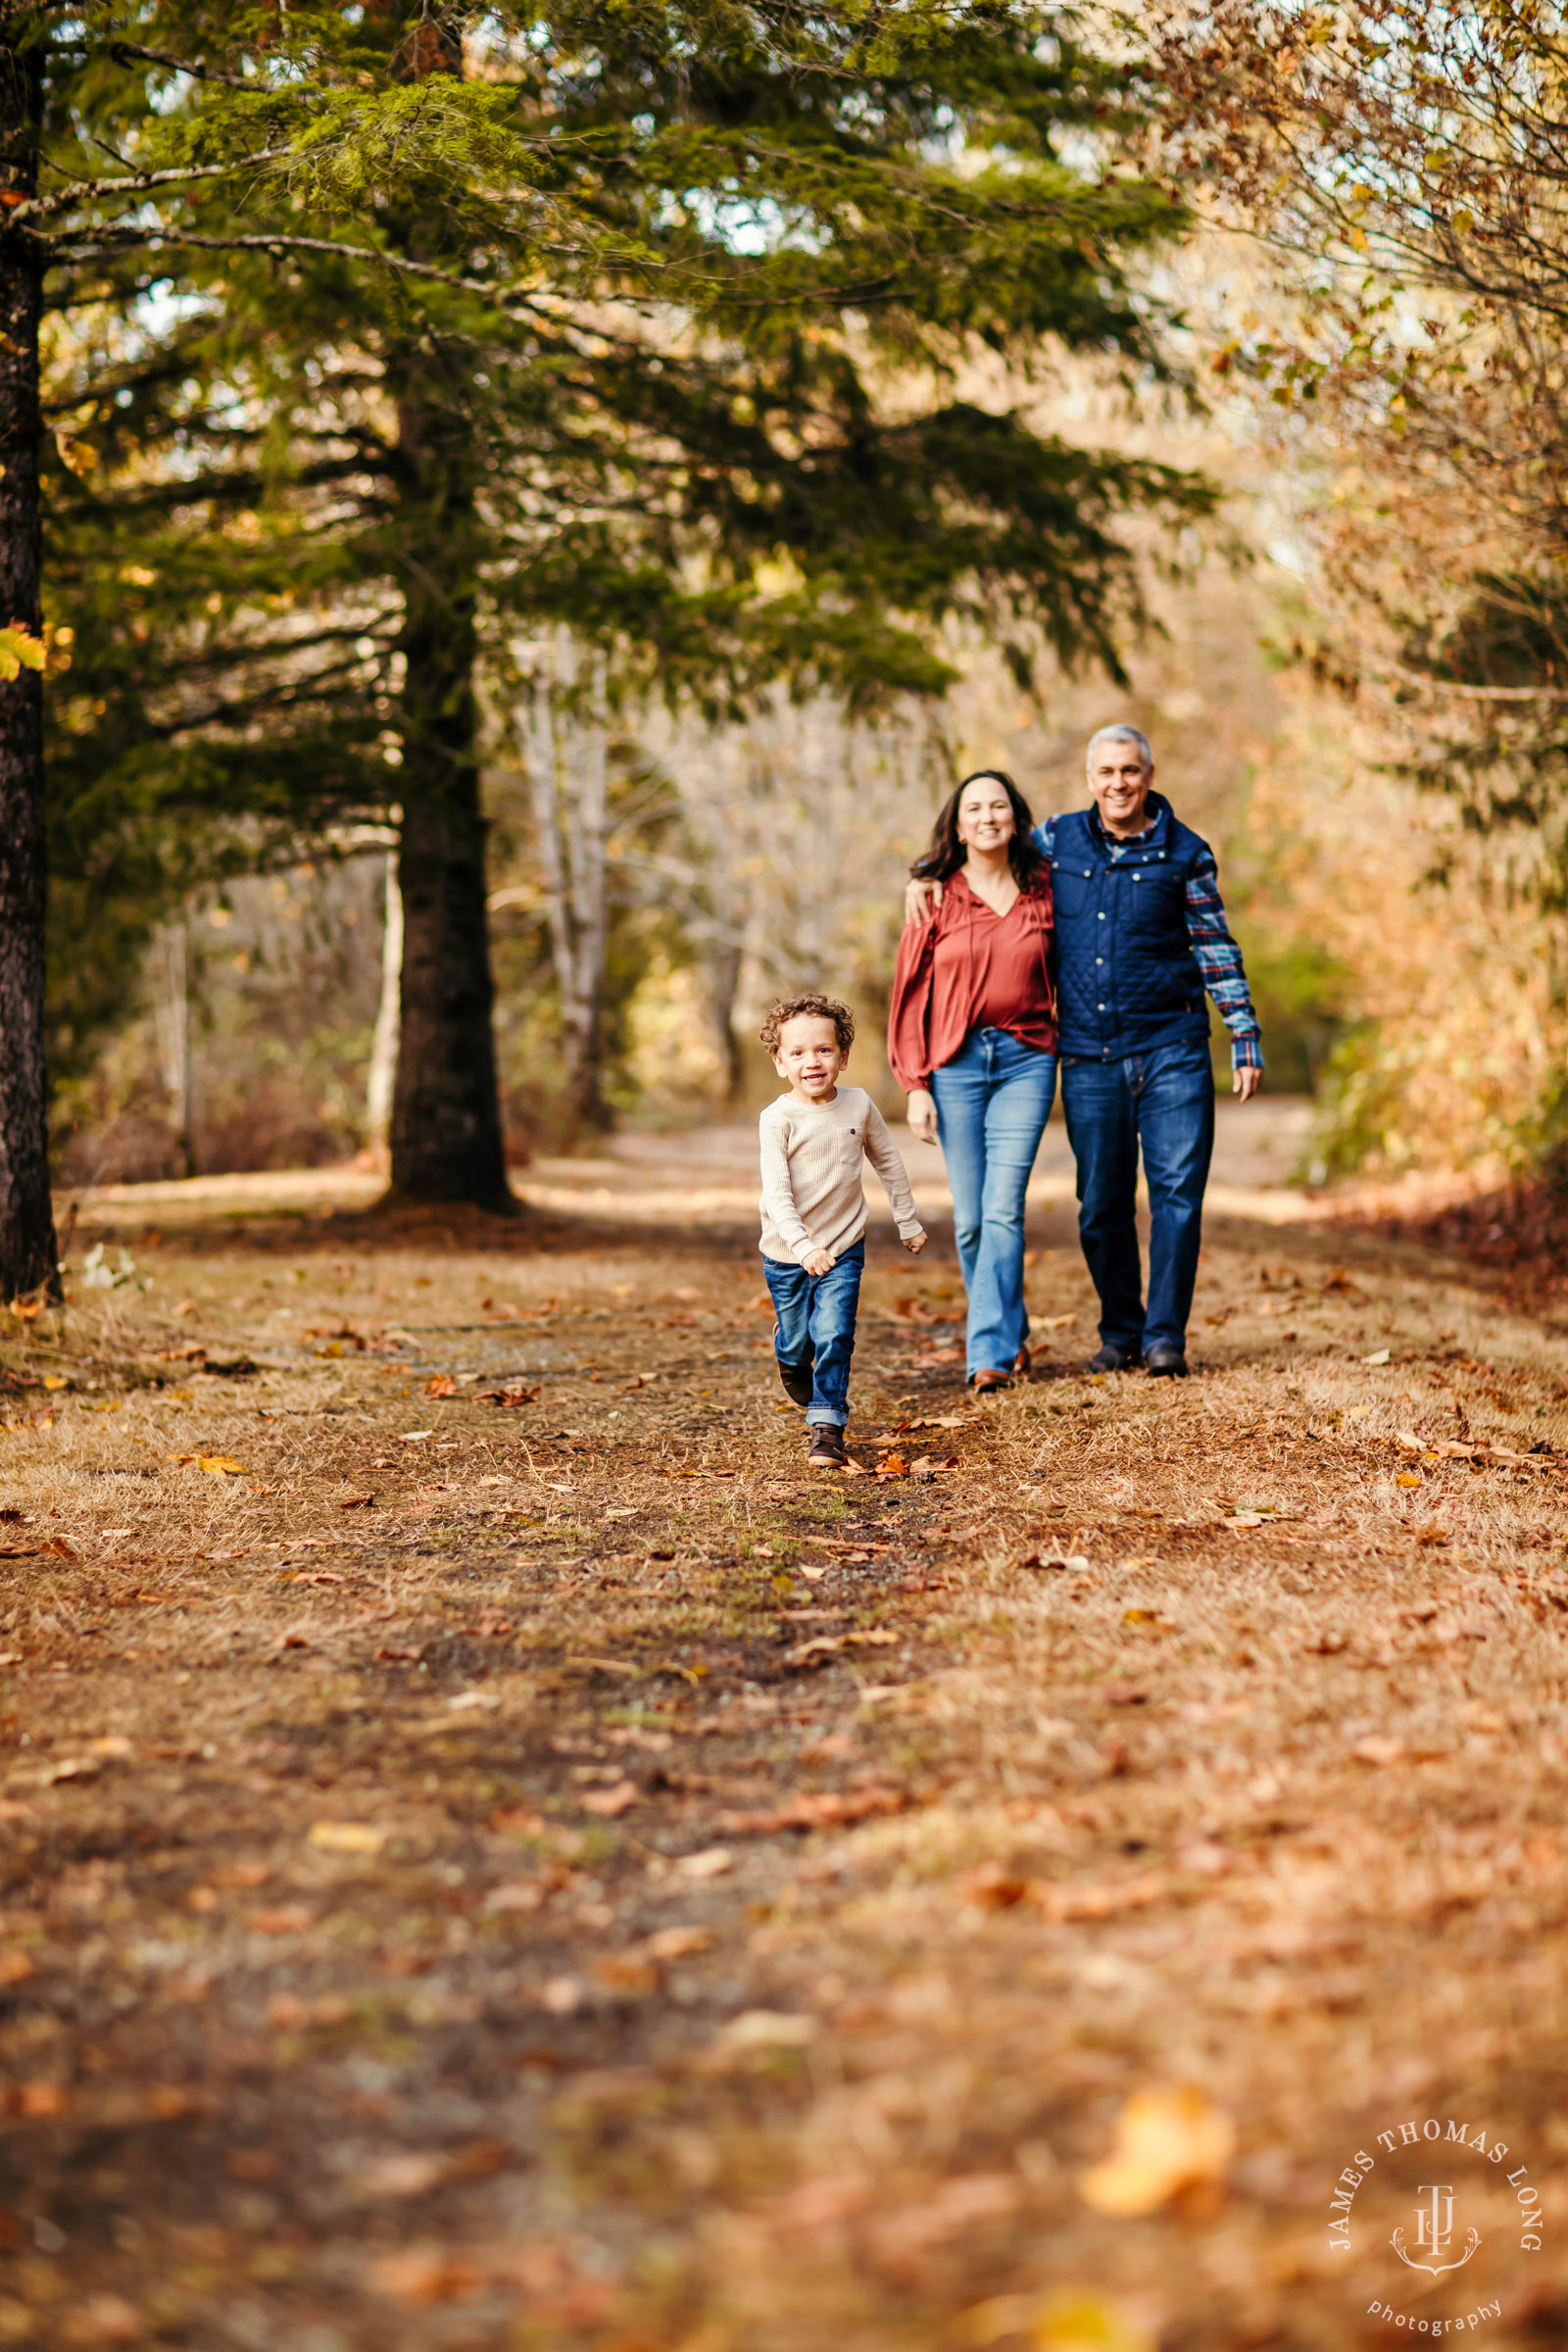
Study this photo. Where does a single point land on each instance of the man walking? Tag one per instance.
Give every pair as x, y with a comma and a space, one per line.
1140, 936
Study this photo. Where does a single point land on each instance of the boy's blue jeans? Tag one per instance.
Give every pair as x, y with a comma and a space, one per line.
1163, 1099
992, 1100
816, 1327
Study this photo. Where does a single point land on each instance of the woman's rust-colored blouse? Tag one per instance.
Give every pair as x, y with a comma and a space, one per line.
966, 969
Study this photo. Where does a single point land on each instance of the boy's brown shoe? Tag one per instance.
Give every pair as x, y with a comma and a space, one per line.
797, 1379
827, 1447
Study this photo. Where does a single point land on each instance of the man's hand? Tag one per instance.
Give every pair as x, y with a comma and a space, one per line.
1246, 1083
923, 1115
915, 1243
819, 1261
921, 902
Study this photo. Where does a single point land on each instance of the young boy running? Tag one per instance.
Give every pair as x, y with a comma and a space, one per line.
814, 1140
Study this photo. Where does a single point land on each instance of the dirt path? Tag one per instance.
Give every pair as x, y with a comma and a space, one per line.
499, 1855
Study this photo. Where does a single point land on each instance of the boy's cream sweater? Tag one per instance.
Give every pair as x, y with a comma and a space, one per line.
813, 1193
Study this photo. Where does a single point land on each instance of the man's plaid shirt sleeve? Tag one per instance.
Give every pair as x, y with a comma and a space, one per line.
1219, 959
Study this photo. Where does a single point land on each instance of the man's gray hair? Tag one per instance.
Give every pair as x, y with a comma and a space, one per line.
1119, 735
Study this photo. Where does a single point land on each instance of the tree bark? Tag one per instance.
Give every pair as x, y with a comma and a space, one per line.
569, 757
174, 1037
382, 1075
446, 1118
28, 1258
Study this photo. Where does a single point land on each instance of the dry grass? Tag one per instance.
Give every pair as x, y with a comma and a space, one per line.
1270, 1808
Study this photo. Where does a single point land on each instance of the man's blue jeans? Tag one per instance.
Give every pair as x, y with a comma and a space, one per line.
816, 1326
992, 1100
1163, 1099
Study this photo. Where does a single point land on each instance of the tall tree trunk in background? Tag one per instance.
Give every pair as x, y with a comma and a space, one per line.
381, 1077
174, 1037
569, 763
446, 1142
28, 1258
721, 976
446, 1118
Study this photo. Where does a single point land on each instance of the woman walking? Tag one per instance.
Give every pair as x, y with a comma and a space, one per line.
972, 1041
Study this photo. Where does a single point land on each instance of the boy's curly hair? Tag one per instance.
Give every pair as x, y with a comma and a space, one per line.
826, 1009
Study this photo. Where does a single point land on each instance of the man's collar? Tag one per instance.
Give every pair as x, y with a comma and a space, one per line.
1155, 808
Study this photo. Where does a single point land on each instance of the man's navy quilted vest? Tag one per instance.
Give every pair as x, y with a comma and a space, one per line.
1126, 974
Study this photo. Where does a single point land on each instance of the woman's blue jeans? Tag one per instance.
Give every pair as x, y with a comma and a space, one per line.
992, 1100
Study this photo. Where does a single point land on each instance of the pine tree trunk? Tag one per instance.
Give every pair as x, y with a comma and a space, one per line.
26, 1216
446, 1120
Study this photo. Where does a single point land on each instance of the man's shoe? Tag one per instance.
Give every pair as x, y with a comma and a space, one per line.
992, 1377
827, 1447
797, 1379
1023, 1363
1114, 1359
1165, 1363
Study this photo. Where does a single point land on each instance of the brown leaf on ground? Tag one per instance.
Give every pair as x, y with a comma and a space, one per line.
610, 1803
1167, 2139
817, 1809
1062, 1901
441, 1384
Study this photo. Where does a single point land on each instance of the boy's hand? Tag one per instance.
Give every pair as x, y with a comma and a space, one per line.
819, 1261
921, 902
915, 1243
923, 1115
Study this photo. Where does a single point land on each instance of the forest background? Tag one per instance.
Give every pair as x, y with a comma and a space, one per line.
658, 871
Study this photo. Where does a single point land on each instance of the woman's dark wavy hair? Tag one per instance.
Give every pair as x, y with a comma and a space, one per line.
947, 852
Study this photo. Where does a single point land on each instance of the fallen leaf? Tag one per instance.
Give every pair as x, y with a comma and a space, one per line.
56, 1380
676, 1943
38, 2099
426, 2275
283, 1919
1076, 1561
346, 1837
1381, 1357
1167, 2139
103, 2319
610, 1803
406, 2172
509, 1398
1378, 1750
767, 2028
1069, 1903
1074, 2320
624, 1972
710, 1862
389, 1655
355, 1502
15, 1967
1408, 1478
824, 1809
